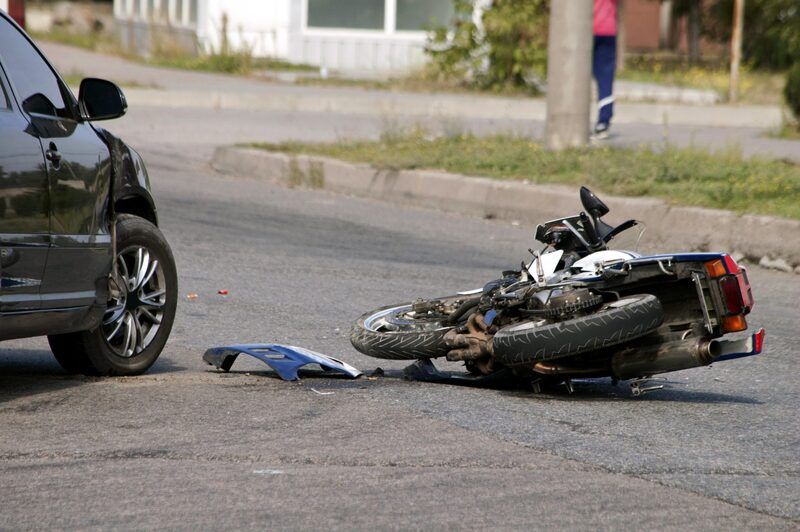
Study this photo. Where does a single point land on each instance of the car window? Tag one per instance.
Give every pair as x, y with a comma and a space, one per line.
37, 87
3, 96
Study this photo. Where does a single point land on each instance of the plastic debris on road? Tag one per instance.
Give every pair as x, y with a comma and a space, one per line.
285, 360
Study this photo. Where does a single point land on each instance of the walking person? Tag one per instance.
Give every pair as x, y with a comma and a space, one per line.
604, 63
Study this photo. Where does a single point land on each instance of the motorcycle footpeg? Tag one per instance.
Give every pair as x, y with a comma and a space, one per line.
642, 385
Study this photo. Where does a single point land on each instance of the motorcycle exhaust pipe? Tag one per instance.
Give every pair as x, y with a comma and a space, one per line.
663, 358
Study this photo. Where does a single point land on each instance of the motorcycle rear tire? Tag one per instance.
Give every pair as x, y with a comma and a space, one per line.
612, 324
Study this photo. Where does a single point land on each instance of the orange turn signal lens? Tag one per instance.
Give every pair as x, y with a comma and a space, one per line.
734, 323
716, 268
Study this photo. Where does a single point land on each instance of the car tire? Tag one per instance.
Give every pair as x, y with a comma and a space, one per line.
139, 316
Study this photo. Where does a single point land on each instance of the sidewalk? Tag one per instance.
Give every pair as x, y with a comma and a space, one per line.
715, 126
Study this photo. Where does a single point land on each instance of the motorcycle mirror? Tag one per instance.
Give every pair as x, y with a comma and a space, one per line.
592, 203
540, 232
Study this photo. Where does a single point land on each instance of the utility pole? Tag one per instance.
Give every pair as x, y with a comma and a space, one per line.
665, 25
736, 49
569, 73
694, 32
621, 49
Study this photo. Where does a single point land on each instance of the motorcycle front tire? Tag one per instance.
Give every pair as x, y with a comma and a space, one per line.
408, 344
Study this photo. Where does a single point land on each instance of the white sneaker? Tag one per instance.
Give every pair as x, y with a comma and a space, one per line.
600, 131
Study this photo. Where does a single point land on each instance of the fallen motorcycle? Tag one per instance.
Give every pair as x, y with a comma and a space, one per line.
578, 310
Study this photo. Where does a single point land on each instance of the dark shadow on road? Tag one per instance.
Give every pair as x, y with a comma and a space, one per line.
596, 390
17, 361
601, 390
29, 372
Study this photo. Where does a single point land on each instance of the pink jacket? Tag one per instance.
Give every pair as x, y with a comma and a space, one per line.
605, 17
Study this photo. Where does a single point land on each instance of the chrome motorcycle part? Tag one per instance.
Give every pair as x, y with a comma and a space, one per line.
639, 386
567, 302
638, 361
398, 333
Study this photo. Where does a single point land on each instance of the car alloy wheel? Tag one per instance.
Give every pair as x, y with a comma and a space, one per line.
137, 297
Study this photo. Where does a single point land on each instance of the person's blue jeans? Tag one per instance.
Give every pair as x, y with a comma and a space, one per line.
604, 64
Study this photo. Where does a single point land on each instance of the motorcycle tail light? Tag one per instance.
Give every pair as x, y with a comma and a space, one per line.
734, 323
731, 289
746, 290
715, 268
730, 264
758, 341
719, 267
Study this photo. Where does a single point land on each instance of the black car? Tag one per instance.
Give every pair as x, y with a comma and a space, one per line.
81, 257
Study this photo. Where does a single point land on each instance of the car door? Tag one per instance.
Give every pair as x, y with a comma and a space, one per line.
78, 169
24, 216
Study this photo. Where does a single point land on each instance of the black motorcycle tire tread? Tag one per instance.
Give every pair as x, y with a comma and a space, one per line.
85, 352
604, 328
401, 345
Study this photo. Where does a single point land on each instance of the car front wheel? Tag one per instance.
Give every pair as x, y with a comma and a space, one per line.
140, 310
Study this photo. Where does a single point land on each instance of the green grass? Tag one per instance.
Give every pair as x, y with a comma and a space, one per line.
423, 80
687, 176
169, 55
95, 41
756, 87
787, 131
231, 63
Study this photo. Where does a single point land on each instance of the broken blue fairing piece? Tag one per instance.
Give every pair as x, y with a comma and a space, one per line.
284, 359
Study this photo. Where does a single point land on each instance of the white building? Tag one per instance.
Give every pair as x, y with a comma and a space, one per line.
343, 35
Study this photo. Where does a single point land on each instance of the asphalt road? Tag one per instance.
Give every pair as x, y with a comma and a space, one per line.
185, 447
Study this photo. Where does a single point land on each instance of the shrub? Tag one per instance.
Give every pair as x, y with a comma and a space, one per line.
507, 48
771, 30
792, 89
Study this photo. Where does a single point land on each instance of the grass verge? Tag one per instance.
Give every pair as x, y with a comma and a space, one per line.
756, 87
229, 63
687, 176
787, 131
170, 56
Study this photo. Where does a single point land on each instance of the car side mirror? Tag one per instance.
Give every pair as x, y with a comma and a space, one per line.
100, 99
592, 203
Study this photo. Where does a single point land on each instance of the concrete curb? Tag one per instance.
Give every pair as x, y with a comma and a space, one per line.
772, 242
381, 103
632, 91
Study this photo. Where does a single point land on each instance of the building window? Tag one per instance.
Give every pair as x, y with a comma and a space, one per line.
418, 15
178, 17
193, 12
353, 14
